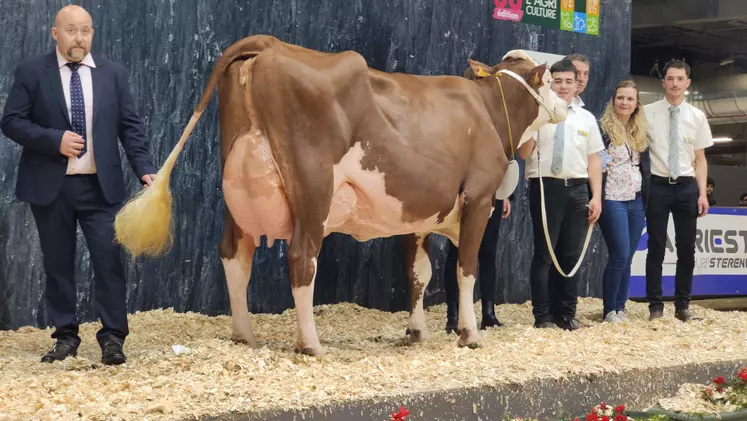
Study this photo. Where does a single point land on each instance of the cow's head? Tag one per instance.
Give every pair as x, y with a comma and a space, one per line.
532, 103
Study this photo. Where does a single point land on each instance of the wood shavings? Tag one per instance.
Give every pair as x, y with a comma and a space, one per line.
689, 400
366, 359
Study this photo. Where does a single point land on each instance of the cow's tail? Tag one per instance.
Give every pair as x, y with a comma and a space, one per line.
143, 225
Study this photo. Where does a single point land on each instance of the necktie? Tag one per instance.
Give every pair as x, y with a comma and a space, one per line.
77, 106
557, 153
674, 142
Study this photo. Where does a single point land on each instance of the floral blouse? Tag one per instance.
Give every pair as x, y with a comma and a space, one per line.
623, 174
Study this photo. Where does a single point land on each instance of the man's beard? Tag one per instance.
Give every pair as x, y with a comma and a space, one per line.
77, 53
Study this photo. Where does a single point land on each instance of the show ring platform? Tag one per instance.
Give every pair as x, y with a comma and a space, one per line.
184, 366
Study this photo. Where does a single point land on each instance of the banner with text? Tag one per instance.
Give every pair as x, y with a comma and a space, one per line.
568, 15
720, 256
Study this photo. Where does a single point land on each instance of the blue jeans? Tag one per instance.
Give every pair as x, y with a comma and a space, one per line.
622, 224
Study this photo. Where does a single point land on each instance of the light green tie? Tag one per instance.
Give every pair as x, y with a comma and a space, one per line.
557, 153
674, 142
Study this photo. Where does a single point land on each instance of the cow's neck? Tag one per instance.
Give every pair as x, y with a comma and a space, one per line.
518, 111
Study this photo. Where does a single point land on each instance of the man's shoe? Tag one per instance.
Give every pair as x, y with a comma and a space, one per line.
112, 353
59, 352
612, 317
488, 316
544, 325
655, 314
568, 323
684, 315
622, 316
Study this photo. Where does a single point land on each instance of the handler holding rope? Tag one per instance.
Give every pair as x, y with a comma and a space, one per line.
566, 160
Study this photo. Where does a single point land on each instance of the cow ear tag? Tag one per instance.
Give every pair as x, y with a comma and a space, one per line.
482, 73
510, 181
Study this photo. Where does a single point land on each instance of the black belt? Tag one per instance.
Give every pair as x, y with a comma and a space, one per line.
567, 182
669, 181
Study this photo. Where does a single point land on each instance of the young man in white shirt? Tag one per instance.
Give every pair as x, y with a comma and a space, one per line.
568, 156
679, 135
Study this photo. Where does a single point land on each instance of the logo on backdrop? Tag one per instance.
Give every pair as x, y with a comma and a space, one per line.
514, 13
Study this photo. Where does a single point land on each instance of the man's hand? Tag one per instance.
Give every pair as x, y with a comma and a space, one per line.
71, 144
506, 208
148, 179
702, 206
595, 209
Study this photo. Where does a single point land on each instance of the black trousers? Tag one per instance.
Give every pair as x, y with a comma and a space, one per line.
555, 296
487, 275
81, 201
681, 200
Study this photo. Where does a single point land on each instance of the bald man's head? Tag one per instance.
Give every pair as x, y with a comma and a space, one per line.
73, 31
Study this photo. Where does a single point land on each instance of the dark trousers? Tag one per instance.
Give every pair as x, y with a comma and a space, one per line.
81, 200
487, 275
553, 295
681, 200
622, 224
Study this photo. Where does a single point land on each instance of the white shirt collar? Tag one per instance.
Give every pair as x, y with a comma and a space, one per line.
668, 104
62, 61
577, 101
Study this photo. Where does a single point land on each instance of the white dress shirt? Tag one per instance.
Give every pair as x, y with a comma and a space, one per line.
577, 101
694, 132
85, 164
582, 138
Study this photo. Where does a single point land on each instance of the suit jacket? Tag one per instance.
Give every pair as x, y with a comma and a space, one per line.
644, 167
36, 117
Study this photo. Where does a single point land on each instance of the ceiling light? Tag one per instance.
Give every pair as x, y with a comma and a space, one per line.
721, 139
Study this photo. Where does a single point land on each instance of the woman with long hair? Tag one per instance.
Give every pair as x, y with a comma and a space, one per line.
626, 177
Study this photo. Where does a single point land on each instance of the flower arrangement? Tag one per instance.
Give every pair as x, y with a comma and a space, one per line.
722, 392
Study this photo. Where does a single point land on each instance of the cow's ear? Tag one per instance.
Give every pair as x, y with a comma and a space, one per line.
535, 76
480, 70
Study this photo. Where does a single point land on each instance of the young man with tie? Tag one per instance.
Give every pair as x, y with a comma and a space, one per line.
679, 135
568, 156
67, 110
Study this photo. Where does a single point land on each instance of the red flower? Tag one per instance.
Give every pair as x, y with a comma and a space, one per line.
592, 417
719, 380
603, 406
620, 409
605, 418
401, 415
743, 374
709, 391
620, 417
576, 419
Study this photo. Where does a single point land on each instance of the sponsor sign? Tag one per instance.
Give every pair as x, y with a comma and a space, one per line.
580, 16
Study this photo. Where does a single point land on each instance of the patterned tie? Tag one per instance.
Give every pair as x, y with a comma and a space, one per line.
557, 153
674, 142
77, 106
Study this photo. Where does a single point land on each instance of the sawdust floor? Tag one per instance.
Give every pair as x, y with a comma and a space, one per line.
366, 358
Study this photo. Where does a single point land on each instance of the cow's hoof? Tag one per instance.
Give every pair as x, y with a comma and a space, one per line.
469, 339
251, 343
415, 335
310, 351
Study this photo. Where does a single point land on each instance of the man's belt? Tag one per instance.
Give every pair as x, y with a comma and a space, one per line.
670, 181
567, 182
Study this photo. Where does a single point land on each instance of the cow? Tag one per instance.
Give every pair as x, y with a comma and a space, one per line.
314, 143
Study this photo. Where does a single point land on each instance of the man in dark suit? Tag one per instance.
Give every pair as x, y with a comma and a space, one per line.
67, 111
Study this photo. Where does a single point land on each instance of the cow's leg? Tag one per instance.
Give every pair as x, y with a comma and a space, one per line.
418, 266
302, 259
474, 219
236, 253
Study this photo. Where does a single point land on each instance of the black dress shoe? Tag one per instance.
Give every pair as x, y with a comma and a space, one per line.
568, 323
452, 317
684, 315
59, 352
655, 314
488, 316
112, 353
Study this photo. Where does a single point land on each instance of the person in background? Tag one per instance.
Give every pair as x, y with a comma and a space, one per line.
70, 172
583, 67
743, 200
626, 177
569, 157
679, 135
710, 184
